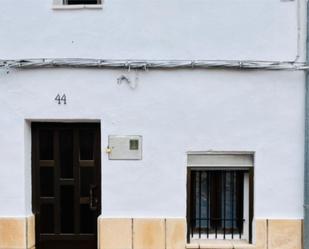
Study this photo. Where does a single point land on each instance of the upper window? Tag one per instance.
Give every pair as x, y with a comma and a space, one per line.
72, 2
77, 4
220, 200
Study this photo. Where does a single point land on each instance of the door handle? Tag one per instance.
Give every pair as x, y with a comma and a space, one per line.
93, 200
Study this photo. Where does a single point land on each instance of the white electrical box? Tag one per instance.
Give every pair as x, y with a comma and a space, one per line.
125, 147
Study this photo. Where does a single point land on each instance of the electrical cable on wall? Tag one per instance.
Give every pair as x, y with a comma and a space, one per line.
151, 64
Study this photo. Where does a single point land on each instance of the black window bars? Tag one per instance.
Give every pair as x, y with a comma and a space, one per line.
216, 204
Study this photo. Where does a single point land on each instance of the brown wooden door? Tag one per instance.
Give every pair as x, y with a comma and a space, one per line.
66, 184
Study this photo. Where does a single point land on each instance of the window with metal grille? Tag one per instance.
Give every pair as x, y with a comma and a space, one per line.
72, 2
220, 203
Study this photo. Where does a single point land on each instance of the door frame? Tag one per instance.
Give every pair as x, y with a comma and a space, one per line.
35, 199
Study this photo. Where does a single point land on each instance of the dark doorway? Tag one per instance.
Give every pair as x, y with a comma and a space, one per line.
66, 184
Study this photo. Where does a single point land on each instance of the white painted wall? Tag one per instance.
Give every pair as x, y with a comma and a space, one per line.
175, 112
157, 29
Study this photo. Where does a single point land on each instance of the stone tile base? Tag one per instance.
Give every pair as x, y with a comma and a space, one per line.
142, 233
115, 233
118, 233
171, 234
17, 233
175, 233
279, 234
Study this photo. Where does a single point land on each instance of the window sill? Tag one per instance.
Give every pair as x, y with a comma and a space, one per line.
219, 244
77, 7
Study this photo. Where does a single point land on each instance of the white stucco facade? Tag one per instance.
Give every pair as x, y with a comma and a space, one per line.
175, 111
160, 29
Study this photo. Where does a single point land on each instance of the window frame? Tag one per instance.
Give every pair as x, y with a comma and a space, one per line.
65, 2
61, 5
249, 171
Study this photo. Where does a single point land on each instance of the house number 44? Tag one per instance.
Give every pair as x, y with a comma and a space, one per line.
61, 99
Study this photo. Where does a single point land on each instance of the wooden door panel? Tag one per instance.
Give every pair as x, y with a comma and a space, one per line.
66, 184
65, 243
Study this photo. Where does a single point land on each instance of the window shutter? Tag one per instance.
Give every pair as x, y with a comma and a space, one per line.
219, 160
